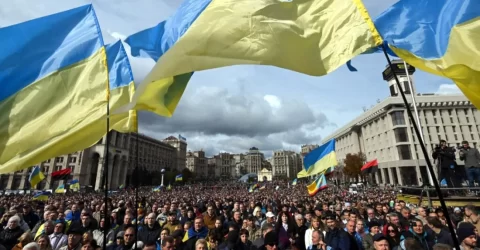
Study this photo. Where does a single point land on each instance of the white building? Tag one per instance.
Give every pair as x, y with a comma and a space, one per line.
386, 133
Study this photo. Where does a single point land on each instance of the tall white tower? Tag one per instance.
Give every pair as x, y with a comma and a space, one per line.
398, 67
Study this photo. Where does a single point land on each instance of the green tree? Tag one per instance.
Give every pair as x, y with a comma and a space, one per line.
352, 165
187, 175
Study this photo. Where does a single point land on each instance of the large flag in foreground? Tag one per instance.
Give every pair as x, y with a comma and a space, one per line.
307, 36
319, 160
54, 83
439, 37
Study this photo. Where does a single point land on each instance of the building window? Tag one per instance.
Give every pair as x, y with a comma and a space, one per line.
401, 135
398, 118
392, 90
406, 87
404, 152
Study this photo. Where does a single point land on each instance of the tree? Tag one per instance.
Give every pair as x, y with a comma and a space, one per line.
187, 175
352, 164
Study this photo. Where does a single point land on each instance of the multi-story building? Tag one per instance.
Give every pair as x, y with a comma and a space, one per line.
285, 163
181, 146
253, 160
197, 163
224, 165
386, 133
153, 155
88, 165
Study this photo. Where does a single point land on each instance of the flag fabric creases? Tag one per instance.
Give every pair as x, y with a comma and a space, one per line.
370, 167
319, 160
308, 36
54, 99
439, 37
316, 186
36, 176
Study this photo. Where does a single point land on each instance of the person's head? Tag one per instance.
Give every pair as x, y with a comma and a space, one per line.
465, 144
149, 246
266, 230
394, 219
392, 230
13, 222
350, 226
164, 233
129, 236
470, 210
201, 244
422, 212
441, 246
49, 227
25, 238
331, 222
127, 219
244, 235
360, 226
150, 220
317, 237
467, 235
417, 226
299, 219
271, 240
168, 243
43, 241
198, 223
374, 227
380, 242
434, 222
31, 246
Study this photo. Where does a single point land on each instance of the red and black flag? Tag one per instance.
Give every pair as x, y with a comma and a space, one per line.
370, 167
63, 174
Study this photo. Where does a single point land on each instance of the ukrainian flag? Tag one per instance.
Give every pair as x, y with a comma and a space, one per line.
36, 176
60, 189
319, 184
42, 196
308, 36
74, 185
319, 160
439, 37
294, 182
55, 84
179, 177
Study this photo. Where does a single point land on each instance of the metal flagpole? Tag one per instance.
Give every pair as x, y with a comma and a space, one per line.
136, 187
425, 153
419, 123
105, 170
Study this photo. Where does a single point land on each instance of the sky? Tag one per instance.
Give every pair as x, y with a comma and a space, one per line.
234, 108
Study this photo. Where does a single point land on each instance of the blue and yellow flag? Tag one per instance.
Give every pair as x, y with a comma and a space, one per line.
294, 182
179, 177
36, 176
319, 160
319, 184
55, 74
42, 196
439, 37
156, 189
60, 189
74, 185
309, 36
169, 187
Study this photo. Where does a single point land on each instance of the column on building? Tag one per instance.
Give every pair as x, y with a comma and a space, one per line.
99, 180
390, 175
399, 175
382, 172
419, 174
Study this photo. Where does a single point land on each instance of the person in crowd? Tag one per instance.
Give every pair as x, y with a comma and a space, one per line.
24, 239
416, 232
440, 234
198, 231
336, 237
393, 235
471, 215
471, 158
44, 242
445, 159
367, 239
318, 242
150, 231
9, 236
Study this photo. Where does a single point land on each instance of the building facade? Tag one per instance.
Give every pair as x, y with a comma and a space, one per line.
253, 160
386, 133
181, 146
286, 164
197, 164
88, 165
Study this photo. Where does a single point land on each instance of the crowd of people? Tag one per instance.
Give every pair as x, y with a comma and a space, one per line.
225, 215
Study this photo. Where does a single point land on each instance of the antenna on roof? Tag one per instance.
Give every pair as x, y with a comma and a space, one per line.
378, 100
364, 108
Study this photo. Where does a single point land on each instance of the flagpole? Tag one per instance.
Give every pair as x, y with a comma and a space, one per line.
419, 123
136, 185
105, 170
425, 153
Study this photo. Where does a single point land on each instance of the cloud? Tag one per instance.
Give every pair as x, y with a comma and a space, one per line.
233, 121
448, 89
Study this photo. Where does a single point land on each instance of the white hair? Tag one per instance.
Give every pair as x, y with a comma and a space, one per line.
298, 216
15, 218
31, 246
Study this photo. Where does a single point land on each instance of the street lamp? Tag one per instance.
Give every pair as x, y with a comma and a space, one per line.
163, 172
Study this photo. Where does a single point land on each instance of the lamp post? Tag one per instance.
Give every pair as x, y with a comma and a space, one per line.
163, 173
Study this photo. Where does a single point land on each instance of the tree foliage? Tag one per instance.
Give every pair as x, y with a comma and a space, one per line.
187, 175
353, 163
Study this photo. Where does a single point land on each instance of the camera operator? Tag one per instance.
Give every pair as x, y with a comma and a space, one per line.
471, 157
445, 157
